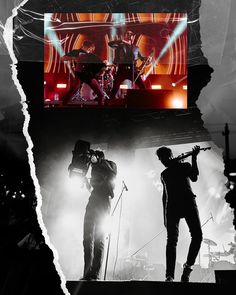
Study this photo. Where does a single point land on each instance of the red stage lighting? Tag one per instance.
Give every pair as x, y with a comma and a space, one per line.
124, 86
156, 87
178, 102
61, 85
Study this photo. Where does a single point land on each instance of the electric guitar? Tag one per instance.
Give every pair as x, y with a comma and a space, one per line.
145, 63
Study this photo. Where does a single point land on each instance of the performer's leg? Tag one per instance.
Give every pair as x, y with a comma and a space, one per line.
99, 239
99, 244
119, 78
88, 241
172, 239
75, 87
93, 83
76, 93
193, 221
194, 225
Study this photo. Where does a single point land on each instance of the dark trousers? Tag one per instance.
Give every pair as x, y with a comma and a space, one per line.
125, 73
94, 236
93, 84
191, 216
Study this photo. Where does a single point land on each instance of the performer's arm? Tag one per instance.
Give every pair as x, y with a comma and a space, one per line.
115, 43
141, 57
70, 56
110, 166
194, 169
164, 202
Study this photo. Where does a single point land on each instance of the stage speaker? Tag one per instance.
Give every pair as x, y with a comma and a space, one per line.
225, 276
154, 99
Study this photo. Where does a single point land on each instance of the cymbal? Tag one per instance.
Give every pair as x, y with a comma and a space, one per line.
221, 253
208, 255
209, 242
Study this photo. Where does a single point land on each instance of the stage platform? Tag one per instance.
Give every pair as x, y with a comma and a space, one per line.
144, 287
134, 99
116, 103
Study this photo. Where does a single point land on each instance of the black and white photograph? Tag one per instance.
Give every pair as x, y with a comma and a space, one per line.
107, 185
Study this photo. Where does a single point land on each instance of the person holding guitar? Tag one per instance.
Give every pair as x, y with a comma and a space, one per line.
88, 67
179, 202
126, 56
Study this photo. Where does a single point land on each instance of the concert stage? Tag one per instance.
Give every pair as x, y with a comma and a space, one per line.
134, 99
142, 287
157, 59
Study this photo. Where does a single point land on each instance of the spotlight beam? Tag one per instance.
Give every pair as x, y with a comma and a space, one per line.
177, 82
53, 38
176, 33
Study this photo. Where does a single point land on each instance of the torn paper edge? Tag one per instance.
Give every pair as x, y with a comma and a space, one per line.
8, 39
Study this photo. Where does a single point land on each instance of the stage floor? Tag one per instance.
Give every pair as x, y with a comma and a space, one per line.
143, 287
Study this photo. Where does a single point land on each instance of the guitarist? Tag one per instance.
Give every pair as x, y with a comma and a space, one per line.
126, 56
87, 68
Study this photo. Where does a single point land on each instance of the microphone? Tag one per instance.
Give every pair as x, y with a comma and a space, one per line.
212, 217
124, 185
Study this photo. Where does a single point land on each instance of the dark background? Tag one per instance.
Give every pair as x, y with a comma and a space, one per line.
117, 127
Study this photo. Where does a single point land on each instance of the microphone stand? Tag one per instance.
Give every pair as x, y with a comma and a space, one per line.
162, 232
124, 188
147, 243
202, 227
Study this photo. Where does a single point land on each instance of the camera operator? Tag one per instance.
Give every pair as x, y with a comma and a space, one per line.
101, 185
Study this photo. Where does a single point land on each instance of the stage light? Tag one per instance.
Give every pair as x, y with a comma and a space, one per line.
75, 184
185, 87
156, 87
123, 86
61, 85
232, 174
173, 84
230, 170
231, 186
45, 82
106, 224
177, 103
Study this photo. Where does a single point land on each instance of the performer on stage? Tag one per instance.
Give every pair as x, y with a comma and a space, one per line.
179, 202
126, 56
103, 173
88, 67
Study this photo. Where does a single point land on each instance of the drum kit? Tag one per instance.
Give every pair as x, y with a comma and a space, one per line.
216, 261
105, 80
213, 256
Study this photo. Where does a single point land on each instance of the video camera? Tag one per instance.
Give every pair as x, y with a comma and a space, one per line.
81, 158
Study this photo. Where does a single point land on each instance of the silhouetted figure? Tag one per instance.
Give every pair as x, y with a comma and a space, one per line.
103, 173
179, 202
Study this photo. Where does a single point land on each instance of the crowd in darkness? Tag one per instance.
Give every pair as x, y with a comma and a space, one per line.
26, 261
